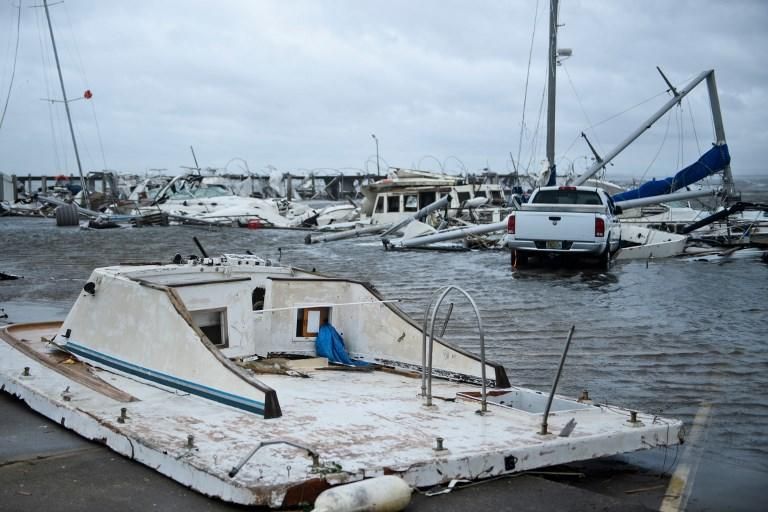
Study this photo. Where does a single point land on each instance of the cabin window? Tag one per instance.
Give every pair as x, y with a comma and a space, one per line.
411, 203
393, 204
463, 196
379, 204
213, 323
309, 320
496, 197
426, 198
257, 298
480, 193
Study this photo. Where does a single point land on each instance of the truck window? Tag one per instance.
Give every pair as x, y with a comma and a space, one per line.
567, 196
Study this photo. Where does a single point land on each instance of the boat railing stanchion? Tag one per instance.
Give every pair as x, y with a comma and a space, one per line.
426, 367
312, 453
428, 345
543, 430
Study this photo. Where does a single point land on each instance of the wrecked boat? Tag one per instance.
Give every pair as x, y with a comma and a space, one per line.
265, 385
406, 191
193, 197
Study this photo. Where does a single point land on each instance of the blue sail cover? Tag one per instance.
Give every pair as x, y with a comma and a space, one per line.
330, 344
716, 159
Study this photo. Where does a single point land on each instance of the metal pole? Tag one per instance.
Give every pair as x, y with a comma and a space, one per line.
66, 107
643, 127
543, 430
447, 318
675, 196
717, 119
551, 92
451, 234
378, 168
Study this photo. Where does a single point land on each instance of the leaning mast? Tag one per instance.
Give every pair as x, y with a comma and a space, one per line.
66, 107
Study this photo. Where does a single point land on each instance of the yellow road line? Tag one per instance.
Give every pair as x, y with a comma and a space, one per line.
679, 488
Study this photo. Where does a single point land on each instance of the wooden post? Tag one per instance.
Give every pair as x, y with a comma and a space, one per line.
15, 184
44, 184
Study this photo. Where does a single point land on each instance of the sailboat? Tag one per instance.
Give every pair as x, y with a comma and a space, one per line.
716, 160
67, 215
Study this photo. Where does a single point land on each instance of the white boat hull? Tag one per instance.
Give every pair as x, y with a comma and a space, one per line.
650, 243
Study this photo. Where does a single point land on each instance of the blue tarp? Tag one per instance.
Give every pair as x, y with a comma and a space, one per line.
330, 344
714, 160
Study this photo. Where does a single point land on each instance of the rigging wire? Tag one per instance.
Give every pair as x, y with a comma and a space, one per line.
44, 58
693, 125
581, 105
13, 69
661, 146
535, 139
610, 118
527, 77
85, 76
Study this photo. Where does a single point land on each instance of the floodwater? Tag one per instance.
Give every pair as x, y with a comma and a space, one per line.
676, 337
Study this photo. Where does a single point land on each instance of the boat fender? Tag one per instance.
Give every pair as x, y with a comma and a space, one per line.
381, 494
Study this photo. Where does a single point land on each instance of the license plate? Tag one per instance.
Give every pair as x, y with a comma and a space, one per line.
554, 244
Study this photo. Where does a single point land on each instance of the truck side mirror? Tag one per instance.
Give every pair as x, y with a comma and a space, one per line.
618, 210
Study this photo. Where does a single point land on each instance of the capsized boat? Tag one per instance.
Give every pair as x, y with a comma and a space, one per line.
265, 385
195, 197
638, 242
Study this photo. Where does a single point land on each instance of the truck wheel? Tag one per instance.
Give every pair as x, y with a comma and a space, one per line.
519, 258
605, 257
67, 215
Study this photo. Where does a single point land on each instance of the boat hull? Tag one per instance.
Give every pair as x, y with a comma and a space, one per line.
361, 424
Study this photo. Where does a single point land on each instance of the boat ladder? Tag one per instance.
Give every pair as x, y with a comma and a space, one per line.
427, 344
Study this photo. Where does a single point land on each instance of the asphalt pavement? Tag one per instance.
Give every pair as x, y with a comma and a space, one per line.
44, 466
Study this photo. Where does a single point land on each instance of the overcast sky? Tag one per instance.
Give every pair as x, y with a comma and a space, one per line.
303, 84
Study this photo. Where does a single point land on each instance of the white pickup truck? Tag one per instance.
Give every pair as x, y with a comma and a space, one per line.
577, 221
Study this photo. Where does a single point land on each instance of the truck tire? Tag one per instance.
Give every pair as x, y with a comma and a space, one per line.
605, 257
519, 258
67, 215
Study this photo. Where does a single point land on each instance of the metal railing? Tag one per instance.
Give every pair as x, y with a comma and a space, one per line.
428, 345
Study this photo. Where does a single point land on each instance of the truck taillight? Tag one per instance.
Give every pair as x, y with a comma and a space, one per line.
511, 224
599, 227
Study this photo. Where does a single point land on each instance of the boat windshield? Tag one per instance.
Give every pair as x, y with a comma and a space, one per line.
201, 192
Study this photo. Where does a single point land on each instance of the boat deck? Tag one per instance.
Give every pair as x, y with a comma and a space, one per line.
360, 423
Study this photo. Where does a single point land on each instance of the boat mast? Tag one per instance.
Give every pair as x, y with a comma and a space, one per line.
551, 89
717, 119
66, 106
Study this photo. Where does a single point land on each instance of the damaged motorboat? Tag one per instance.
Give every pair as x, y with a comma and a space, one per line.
230, 375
